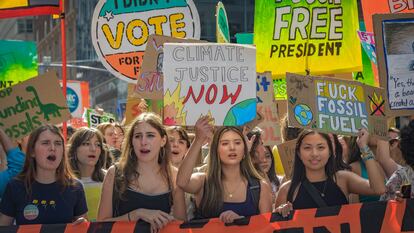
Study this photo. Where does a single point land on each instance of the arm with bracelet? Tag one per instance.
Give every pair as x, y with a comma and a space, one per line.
375, 175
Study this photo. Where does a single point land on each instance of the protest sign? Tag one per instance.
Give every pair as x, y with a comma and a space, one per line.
394, 35
31, 103
95, 118
222, 24
286, 152
318, 36
370, 8
18, 62
209, 79
78, 122
77, 97
335, 106
134, 107
368, 44
150, 83
120, 30
266, 106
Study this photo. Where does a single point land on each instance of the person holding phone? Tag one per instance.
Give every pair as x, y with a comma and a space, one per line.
401, 182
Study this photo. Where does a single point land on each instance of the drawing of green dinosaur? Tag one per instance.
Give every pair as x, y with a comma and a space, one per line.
46, 109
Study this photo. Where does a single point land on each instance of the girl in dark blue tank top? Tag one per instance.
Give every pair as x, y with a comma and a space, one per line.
141, 186
230, 188
315, 180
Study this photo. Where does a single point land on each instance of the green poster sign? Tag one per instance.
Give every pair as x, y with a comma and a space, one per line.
222, 24
18, 62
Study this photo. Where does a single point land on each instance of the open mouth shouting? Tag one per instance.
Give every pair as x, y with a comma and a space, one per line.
51, 158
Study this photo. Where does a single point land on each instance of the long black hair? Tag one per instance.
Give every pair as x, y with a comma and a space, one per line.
299, 171
339, 162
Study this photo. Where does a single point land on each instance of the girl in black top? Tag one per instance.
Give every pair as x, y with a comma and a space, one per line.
314, 163
142, 185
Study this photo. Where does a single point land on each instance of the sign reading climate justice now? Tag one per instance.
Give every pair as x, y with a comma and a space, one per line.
318, 35
209, 79
120, 30
29, 104
333, 105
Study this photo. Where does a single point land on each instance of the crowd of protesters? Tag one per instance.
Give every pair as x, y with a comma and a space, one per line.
148, 172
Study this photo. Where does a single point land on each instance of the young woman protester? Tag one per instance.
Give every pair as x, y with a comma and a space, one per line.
231, 187
180, 142
263, 161
401, 182
87, 160
46, 192
142, 185
315, 181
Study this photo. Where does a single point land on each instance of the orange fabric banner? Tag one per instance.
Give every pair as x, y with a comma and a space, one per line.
382, 217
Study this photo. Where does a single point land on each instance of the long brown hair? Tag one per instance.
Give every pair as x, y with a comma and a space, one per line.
128, 162
212, 200
80, 136
64, 174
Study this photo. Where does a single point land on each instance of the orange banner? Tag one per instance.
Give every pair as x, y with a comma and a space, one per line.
382, 217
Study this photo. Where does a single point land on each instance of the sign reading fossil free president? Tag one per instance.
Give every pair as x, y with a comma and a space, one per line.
209, 79
29, 104
120, 30
336, 106
319, 36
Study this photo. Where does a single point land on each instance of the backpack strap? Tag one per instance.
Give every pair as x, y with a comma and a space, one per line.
314, 193
115, 195
254, 188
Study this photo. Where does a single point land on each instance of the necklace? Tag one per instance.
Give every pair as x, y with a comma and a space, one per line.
230, 194
324, 189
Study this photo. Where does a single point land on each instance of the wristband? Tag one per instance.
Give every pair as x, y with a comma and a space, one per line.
368, 157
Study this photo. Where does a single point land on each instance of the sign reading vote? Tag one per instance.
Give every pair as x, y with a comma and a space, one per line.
333, 105
120, 30
209, 79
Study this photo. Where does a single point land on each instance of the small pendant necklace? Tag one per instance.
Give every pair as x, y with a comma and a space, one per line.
230, 194
324, 188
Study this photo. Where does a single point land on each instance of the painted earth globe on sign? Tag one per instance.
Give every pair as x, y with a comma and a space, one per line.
303, 114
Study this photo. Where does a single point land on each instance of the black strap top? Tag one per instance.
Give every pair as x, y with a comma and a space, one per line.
329, 191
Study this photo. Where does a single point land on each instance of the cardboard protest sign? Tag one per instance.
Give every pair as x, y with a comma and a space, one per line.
150, 83
295, 36
209, 79
286, 152
134, 105
18, 62
394, 35
95, 118
29, 104
222, 24
266, 106
335, 106
120, 30
370, 8
77, 97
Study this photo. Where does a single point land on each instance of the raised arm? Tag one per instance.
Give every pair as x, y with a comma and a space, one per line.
357, 184
185, 180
